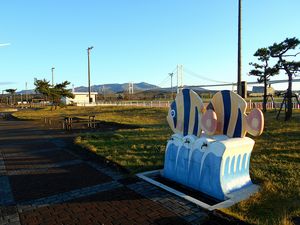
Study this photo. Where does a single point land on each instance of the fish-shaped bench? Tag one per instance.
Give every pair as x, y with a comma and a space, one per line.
217, 161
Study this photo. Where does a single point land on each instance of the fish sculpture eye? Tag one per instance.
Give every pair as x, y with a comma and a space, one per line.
173, 113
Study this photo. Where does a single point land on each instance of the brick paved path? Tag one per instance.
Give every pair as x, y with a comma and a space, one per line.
43, 181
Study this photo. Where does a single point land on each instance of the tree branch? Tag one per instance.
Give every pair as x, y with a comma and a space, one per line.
291, 55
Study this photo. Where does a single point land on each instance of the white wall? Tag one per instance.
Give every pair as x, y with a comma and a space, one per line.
82, 98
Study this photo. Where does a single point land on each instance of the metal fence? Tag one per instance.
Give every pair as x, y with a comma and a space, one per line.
127, 103
163, 104
270, 105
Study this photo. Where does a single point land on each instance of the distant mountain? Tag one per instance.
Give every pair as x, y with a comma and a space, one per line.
24, 92
115, 88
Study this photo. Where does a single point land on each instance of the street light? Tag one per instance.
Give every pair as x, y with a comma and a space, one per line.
52, 76
89, 78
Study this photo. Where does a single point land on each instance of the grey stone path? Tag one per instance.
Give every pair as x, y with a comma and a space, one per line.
44, 181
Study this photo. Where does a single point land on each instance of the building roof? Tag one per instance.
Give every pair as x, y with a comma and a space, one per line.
84, 93
258, 89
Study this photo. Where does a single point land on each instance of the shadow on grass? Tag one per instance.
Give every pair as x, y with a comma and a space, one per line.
271, 208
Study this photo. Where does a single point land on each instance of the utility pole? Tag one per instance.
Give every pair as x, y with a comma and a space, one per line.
89, 77
52, 69
26, 95
171, 75
239, 72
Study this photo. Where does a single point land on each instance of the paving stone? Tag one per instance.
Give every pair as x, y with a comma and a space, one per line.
36, 160
114, 203
6, 197
107, 170
6, 211
42, 168
63, 188
26, 147
175, 204
9, 215
16, 154
63, 197
55, 181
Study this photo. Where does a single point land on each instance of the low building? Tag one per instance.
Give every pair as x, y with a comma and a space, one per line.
80, 98
259, 91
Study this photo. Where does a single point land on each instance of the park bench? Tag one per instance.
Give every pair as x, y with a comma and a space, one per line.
69, 123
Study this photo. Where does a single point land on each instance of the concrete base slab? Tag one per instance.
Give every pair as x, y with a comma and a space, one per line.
233, 197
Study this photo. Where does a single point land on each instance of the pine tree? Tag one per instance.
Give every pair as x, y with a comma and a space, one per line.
263, 71
53, 93
292, 68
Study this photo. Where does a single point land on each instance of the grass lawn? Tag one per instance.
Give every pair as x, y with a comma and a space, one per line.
275, 165
120, 114
275, 161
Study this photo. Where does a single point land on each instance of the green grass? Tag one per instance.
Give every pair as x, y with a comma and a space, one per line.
120, 114
275, 161
137, 150
275, 165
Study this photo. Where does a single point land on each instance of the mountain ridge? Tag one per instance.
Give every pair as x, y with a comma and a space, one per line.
116, 87
107, 88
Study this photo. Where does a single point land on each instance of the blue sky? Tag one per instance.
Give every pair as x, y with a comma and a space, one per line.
137, 40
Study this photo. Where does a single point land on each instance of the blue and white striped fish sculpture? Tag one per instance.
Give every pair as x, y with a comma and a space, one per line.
226, 114
184, 116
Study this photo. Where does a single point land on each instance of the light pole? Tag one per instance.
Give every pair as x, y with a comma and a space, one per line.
239, 75
89, 78
52, 76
